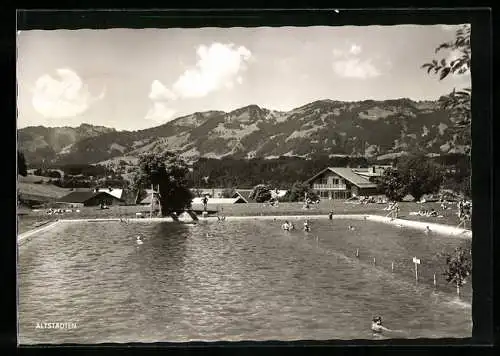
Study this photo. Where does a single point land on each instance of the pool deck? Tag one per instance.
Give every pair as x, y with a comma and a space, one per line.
419, 225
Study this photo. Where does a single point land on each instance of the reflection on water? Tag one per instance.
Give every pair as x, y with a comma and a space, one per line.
237, 280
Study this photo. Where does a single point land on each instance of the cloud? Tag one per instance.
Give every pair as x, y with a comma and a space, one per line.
348, 64
338, 53
448, 28
63, 96
218, 66
355, 68
161, 92
160, 112
355, 49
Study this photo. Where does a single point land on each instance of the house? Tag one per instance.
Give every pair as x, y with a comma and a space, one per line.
372, 173
245, 195
217, 201
343, 183
211, 192
145, 197
116, 192
89, 198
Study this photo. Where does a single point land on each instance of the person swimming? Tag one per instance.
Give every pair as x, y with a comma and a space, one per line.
427, 229
377, 326
290, 225
306, 226
139, 240
285, 226
351, 228
330, 215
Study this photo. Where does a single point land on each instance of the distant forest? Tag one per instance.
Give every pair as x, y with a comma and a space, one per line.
242, 173
283, 172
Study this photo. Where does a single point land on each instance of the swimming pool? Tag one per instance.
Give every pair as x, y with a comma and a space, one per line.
237, 280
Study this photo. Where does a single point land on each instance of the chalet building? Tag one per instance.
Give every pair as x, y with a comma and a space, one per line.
343, 183
89, 198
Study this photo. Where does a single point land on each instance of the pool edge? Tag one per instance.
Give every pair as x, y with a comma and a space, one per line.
419, 225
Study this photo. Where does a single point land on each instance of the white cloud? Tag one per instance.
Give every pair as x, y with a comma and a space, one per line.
218, 66
355, 49
338, 53
355, 68
160, 112
161, 92
63, 96
348, 63
448, 28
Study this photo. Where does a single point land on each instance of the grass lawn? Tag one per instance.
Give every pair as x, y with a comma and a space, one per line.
32, 221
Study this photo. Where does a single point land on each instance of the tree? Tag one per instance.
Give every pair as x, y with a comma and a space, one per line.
260, 193
414, 174
392, 185
458, 267
22, 168
419, 175
297, 192
168, 171
228, 192
458, 103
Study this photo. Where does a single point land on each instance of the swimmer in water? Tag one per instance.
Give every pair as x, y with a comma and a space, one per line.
291, 226
285, 226
377, 326
306, 226
139, 240
427, 230
330, 215
351, 228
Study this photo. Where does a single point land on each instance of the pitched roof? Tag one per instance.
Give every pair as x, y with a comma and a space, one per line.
240, 196
246, 194
116, 192
216, 200
348, 174
81, 197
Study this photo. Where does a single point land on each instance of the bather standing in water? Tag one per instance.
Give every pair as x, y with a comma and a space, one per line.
330, 215
307, 228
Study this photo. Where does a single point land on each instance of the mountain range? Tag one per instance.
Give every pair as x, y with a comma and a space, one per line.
371, 128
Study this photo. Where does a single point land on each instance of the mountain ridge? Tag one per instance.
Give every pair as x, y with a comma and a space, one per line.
371, 128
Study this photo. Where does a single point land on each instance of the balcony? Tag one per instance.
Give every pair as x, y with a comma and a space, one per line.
329, 186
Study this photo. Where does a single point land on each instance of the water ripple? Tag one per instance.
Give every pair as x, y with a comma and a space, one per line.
239, 280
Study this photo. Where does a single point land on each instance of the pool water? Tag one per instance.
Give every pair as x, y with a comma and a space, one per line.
236, 280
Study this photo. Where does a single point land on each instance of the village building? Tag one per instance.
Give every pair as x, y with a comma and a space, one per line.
343, 183
217, 201
89, 198
116, 192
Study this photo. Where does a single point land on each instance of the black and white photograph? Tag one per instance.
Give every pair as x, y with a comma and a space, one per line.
244, 184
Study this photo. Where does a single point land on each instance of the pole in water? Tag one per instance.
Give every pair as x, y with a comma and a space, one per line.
392, 267
434, 280
416, 261
357, 252
374, 261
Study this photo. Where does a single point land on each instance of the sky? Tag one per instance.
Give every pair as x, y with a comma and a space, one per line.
132, 79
